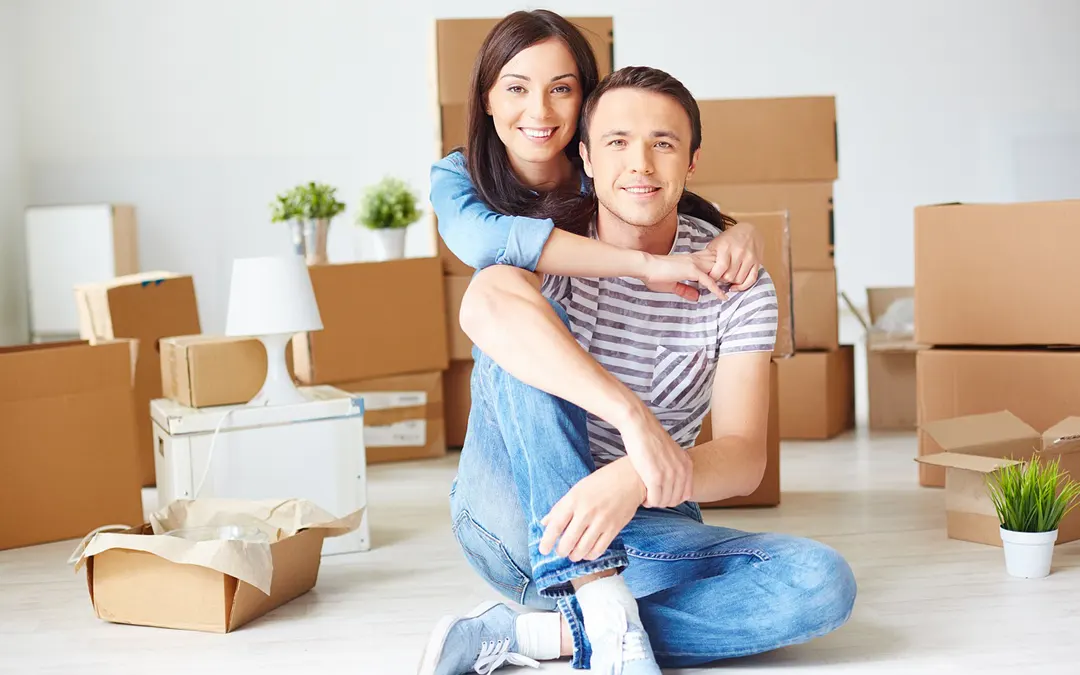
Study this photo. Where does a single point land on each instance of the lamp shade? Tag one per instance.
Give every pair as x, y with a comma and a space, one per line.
271, 296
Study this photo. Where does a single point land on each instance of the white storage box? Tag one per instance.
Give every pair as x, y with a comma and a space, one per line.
313, 451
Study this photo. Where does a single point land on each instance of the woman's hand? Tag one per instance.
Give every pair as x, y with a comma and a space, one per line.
668, 273
588, 517
738, 252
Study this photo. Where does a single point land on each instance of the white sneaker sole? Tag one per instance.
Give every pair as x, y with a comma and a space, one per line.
433, 650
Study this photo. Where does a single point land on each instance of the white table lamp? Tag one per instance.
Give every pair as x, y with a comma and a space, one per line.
272, 299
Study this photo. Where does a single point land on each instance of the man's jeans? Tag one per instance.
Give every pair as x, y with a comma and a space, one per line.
704, 593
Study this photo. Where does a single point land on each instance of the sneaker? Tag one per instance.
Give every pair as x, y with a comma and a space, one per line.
621, 647
481, 641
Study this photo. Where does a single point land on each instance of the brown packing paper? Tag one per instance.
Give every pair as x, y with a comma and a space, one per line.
249, 562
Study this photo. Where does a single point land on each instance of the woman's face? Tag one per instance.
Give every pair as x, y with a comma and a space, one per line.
535, 102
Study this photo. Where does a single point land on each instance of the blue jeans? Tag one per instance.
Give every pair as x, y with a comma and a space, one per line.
704, 593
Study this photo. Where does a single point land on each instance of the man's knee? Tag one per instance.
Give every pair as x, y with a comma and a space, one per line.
821, 581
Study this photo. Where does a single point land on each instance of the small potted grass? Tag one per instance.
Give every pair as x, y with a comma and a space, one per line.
1030, 499
387, 209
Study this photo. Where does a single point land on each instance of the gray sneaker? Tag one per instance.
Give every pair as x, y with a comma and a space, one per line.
621, 647
481, 641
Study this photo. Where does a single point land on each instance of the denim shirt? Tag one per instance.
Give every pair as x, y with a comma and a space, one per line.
478, 236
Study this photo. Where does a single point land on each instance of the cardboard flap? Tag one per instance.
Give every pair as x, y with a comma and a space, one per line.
248, 561
972, 432
1063, 437
959, 460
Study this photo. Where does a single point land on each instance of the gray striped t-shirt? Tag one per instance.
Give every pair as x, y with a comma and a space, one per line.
662, 347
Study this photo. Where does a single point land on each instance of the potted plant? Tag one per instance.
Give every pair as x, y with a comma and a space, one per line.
387, 209
1030, 499
286, 208
319, 207
308, 209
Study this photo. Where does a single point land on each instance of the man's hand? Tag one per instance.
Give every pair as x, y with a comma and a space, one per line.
664, 467
668, 273
593, 512
738, 252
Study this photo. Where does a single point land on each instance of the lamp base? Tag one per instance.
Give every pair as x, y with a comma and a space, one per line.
278, 388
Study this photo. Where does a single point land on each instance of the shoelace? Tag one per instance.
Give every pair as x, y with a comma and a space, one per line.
496, 654
625, 645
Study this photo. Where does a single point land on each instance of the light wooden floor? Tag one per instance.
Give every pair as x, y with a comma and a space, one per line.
926, 604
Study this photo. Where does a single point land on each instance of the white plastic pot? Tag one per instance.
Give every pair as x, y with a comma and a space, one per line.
1028, 554
390, 243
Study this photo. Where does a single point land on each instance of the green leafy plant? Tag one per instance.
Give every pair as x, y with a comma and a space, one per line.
389, 204
286, 206
1032, 496
319, 202
313, 201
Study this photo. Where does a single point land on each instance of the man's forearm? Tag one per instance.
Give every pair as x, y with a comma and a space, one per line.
505, 315
730, 466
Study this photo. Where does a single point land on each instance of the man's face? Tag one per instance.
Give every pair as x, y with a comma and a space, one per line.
638, 155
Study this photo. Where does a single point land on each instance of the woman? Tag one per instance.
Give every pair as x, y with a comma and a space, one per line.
523, 146
705, 593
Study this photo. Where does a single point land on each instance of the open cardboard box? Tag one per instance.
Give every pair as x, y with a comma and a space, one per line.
143, 576
978, 445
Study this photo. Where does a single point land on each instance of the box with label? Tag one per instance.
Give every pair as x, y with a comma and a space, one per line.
201, 371
404, 416
69, 461
768, 140
209, 565
1037, 385
963, 257
460, 344
975, 446
147, 307
768, 492
815, 306
458, 397
817, 394
777, 262
379, 319
809, 207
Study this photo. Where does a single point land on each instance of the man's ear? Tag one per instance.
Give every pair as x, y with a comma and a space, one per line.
583, 150
693, 163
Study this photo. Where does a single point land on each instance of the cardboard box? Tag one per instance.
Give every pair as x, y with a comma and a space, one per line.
458, 396
817, 394
777, 262
69, 461
458, 41
978, 445
768, 140
890, 362
404, 417
145, 577
964, 256
1039, 386
200, 371
460, 344
379, 319
814, 303
768, 492
809, 207
146, 307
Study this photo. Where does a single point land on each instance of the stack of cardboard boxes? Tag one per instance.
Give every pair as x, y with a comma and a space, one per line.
996, 299
384, 335
457, 43
780, 154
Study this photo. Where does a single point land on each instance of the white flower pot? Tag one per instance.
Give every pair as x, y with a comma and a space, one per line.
1028, 554
389, 243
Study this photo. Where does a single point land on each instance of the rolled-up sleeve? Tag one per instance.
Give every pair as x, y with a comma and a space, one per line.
478, 236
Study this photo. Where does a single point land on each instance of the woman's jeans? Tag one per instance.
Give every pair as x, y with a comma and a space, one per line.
704, 593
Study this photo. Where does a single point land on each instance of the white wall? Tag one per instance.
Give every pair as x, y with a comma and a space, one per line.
198, 112
13, 319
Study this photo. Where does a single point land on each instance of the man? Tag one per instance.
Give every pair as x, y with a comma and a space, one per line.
578, 483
